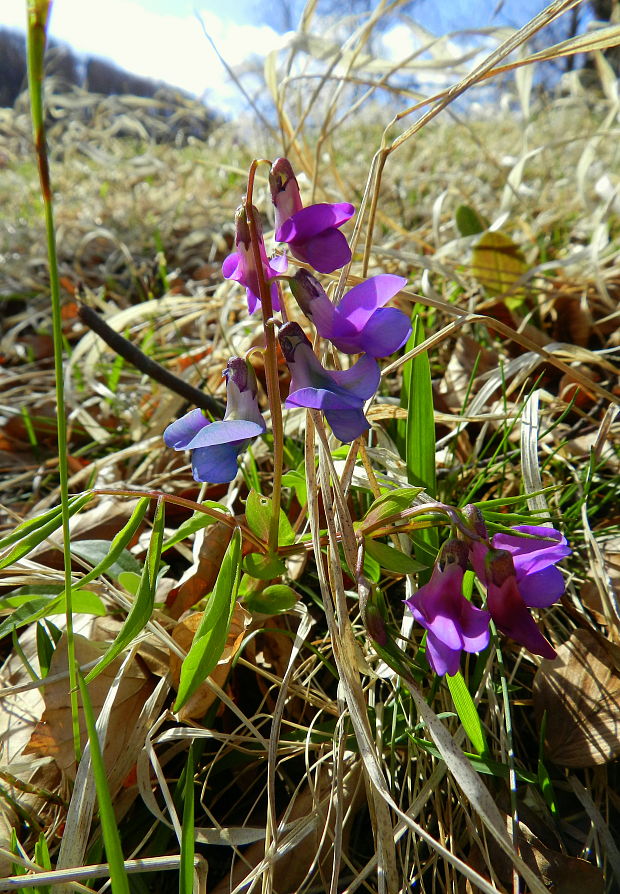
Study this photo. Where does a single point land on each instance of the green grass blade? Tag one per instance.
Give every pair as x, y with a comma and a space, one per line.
468, 714
42, 859
210, 637
142, 607
38, 17
32, 533
109, 830
186, 870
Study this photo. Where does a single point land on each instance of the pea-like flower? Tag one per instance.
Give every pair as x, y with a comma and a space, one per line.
215, 446
340, 394
453, 624
241, 265
312, 233
519, 573
359, 324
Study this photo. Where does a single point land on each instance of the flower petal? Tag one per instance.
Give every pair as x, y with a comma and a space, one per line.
347, 425
216, 464
179, 434
542, 588
545, 546
314, 219
360, 303
387, 330
362, 379
322, 399
512, 617
227, 431
442, 659
326, 251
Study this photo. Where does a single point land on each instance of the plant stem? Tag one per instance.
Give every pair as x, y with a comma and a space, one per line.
38, 13
271, 363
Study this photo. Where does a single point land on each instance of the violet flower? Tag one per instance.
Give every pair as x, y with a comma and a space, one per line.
453, 624
519, 573
241, 265
312, 233
339, 393
359, 324
215, 445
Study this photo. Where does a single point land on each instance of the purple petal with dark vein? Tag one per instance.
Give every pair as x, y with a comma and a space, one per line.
542, 588
231, 268
216, 464
385, 332
359, 304
180, 433
347, 425
326, 251
513, 618
227, 431
314, 219
362, 379
442, 659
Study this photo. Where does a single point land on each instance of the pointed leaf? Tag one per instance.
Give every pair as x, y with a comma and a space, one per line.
258, 512
468, 714
142, 607
392, 559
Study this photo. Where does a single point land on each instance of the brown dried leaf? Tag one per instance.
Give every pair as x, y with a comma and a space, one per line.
53, 734
183, 634
580, 692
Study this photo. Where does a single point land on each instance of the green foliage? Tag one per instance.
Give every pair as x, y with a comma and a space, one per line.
210, 637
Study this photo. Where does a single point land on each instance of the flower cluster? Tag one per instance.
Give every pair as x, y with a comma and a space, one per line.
519, 573
359, 324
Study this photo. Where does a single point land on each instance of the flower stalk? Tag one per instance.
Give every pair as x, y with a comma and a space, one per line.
271, 363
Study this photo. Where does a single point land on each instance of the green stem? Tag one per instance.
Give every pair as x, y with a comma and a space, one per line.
271, 363
38, 13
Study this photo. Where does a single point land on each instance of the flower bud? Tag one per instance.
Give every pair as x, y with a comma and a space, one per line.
475, 520
284, 191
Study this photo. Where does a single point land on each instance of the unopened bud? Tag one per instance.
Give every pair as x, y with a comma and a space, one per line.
284, 191
475, 520
499, 566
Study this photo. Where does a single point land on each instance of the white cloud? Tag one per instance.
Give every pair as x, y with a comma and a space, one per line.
166, 47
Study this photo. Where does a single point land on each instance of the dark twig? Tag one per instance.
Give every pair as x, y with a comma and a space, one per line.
149, 367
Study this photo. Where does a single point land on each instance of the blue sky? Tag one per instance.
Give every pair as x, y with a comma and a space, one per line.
163, 39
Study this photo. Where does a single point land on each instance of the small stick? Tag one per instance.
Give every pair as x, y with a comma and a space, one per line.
153, 370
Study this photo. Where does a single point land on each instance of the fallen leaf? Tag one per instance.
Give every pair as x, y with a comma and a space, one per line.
53, 734
497, 263
580, 693
183, 634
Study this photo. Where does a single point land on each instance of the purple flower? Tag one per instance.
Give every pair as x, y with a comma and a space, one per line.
339, 393
241, 265
519, 572
312, 233
359, 324
216, 445
453, 624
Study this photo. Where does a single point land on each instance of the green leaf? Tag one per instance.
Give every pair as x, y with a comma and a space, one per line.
296, 480
389, 504
109, 829
30, 533
129, 581
468, 714
42, 859
497, 263
468, 223
110, 558
258, 512
272, 600
106, 557
45, 649
186, 869
392, 559
263, 567
197, 522
210, 637
142, 607
480, 763
84, 602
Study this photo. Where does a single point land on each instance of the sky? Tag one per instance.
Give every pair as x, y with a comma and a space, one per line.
164, 39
